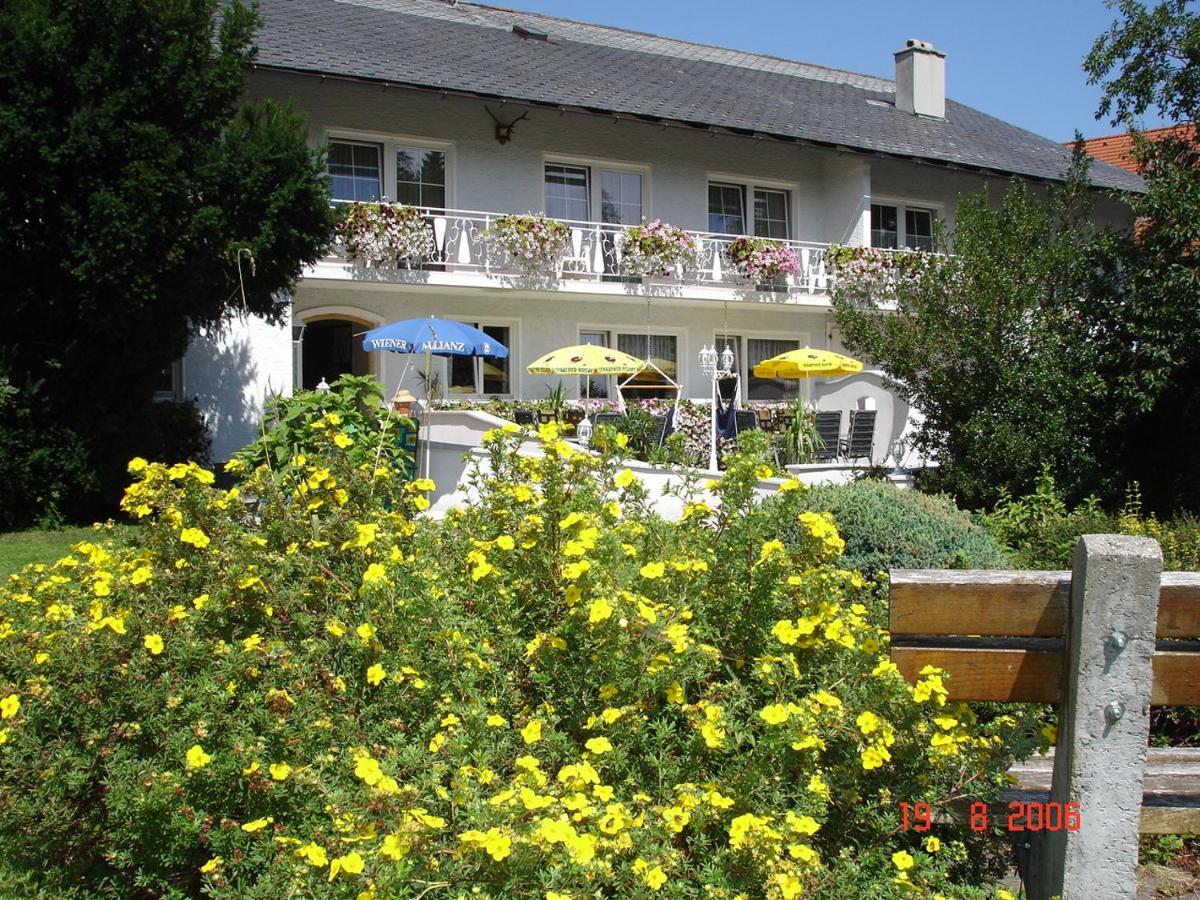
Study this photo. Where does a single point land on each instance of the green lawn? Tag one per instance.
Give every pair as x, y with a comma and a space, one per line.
17, 548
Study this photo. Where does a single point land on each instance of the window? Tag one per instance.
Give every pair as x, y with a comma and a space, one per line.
169, 384
567, 192
918, 229
421, 177
620, 197
758, 349
726, 208
663, 353
599, 383
469, 373
771, 214
354, 171
885, 227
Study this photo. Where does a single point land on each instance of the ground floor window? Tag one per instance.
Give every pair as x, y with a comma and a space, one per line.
331, 348
749, 352
486, 376
663, 352
594, 386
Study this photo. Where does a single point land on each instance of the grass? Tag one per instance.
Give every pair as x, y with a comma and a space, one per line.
19, 548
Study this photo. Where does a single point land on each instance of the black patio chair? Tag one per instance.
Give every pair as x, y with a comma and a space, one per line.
525, 417
860, 439
745, 420
605, 419
829, 431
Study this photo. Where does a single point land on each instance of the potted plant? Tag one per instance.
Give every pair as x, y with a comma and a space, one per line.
762, 260
657, 248
384, 234
534, 243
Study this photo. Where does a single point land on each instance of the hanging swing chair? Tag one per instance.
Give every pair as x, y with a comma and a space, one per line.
668, 381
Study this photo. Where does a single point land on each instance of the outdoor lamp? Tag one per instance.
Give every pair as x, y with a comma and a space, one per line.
727, 359
323, 386
708, 360
899, 446
583, 431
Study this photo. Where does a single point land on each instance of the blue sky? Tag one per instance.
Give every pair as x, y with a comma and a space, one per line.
1019, 60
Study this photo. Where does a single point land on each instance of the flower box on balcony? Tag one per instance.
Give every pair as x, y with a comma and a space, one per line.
657, 249
384, 234
765, 262
532, 243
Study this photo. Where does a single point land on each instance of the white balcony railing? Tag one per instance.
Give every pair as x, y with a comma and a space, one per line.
591, 253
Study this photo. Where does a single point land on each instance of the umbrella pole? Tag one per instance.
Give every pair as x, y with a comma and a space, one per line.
428, 409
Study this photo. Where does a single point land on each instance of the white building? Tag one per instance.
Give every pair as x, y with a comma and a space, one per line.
471, 112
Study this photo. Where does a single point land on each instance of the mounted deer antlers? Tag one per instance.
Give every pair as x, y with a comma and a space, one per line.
504, 131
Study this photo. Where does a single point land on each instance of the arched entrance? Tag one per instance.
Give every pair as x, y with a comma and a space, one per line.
331, 347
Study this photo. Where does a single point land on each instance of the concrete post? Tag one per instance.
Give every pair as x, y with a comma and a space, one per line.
1104, 723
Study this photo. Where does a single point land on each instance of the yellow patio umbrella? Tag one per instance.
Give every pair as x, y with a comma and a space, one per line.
586, 359
807, 363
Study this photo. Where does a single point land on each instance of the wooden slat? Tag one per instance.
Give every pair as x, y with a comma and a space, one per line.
990, 603
1022, 676
1176, 679
1017, 603
1179, 605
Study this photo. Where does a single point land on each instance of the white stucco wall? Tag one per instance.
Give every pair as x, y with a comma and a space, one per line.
230, 372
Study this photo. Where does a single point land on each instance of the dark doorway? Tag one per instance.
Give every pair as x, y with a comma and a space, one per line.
331, 348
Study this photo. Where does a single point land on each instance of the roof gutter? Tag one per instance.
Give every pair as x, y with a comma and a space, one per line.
668, 122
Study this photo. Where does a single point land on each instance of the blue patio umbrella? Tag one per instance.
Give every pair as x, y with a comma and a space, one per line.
433, 337
437, 337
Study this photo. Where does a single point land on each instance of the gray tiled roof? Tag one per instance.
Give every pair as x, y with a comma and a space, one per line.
471, 48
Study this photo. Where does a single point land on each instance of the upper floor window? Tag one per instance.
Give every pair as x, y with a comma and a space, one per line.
354, 171
570, 194
727, 210
886, 233
421, 177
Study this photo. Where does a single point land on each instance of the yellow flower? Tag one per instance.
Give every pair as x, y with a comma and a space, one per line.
365, 631
197, 758
932, 844
194, 536
375, 574
624, 478
342, 440
280, 771
395, 847
599, 745
313, 854
9, 706
532, 733
599, 611
495, 721
335, 627
775, 714
902, 860
376, 674
351, 864
653, 570
655, 878
137, 464
141, 575
257, 825
153, 643
675, 692
867, 722
211, 865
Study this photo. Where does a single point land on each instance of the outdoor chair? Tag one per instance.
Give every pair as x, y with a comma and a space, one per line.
829, 430
859, 442
525, 417
605, 418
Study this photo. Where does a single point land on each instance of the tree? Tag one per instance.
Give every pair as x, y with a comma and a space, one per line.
1147, 319
988, 343
134, 177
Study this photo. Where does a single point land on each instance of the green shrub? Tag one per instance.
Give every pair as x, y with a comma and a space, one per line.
298, 688
888, 528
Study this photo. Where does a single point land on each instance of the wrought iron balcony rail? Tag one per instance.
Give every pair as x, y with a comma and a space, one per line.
463, 241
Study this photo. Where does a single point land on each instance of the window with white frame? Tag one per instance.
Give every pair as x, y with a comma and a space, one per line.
169, 384
663, 351
598, 387
421, 177
886, 230
355, 172
757, 350
769, 216
483, 375
594, 193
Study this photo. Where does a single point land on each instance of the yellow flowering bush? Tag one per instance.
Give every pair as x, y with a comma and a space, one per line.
299, 687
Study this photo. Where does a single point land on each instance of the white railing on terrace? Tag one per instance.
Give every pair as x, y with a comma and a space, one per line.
593, 253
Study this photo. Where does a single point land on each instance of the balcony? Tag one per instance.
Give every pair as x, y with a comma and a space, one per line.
460, 248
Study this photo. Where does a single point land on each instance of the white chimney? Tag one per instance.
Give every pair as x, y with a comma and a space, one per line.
921, 79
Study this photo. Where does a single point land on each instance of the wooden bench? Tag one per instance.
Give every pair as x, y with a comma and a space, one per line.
1102, 642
